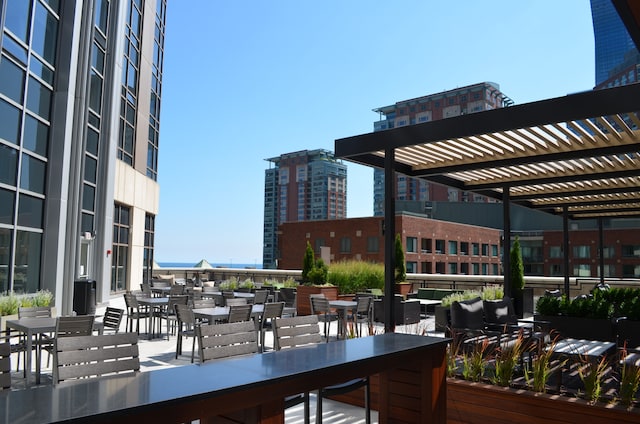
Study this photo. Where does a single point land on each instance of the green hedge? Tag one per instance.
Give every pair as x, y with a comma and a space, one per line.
356, 276
612, 303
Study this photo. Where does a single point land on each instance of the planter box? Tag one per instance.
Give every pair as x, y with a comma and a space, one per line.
403, 288
481, 403
303, 293
580, 328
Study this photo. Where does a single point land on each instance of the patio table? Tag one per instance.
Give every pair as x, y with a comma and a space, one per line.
156, 306
33, 327
219, 313
342, 307
580, 349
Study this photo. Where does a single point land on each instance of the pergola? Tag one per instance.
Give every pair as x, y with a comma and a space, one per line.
577, 156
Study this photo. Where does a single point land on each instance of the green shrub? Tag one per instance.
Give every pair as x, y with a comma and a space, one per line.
10, 302
493, 292
356, 276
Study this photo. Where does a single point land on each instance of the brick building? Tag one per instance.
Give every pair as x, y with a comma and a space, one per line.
431, 246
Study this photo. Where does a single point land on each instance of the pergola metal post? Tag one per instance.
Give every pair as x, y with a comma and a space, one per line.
506, 245
389, 240
565, 247
601, 248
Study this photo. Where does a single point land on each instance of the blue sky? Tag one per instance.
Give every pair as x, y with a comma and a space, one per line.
248, 80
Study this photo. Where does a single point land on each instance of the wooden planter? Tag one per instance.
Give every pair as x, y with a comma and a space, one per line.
303, 293
580, 328
481, 403
403, 288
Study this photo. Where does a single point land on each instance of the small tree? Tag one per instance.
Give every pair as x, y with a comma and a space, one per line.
308, 263
517, 268
401, 267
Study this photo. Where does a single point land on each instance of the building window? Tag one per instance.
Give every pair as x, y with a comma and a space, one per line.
426, 245
412, 244
440, 267
608, 252
120, 258
373, 244
149, 237
318, 244
345, 245
630, 251
426, 267
630, 271
494, 269
464, 268
494, 250
439, 246
556, 270
475, 268
412, 267
464, 248
453, 247
453, 268
582, 252
555, 251
582, 270
475, 249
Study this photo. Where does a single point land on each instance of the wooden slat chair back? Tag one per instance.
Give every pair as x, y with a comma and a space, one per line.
239, 313
296, 331
236, 301
79, 325
226, 340
260, 296
35, 312
269, 314
112, 319
95, 356
204, 303
5, 365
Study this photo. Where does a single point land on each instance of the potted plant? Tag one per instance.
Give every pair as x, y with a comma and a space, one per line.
402, 286
11, 302
522, 297
314, 281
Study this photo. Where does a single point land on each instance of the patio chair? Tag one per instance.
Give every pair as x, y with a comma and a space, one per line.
320, 307
204, 303
30, 312
112, 319
236, 301
187, 324
68, 326
169, 312
134, 312
95, 356
363, 312
271, 311
304, 330
239, 313
177, 290
34, 312
146, 289
288, 295
5, 365
260, 297
226, 340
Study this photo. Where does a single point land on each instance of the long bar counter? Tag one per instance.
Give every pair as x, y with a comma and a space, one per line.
250, 388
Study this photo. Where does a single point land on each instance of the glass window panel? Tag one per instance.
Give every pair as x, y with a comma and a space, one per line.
90, 169
15, 49
128, 139
124, 235
9, 122
93, 119
98, 58
92, 141
30, 211
124, 216
36, 136
8, 165
17, 18
32, 174
88, 197
11, 80
131, 114
5, 255
102, 13
95, 94
27, 265
7, 203
132, 76
87, 223
45, 33
38, 98
54, 5
41, 70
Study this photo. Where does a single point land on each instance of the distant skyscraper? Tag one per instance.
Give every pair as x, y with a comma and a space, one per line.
613, 47
302, 186
80, 88
412, 193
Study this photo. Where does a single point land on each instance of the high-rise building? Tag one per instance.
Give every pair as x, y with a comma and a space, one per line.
301, 186
615, 51
80, 89
414, 194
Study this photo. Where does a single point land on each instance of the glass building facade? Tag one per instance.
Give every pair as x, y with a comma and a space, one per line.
73, 157
612, 41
